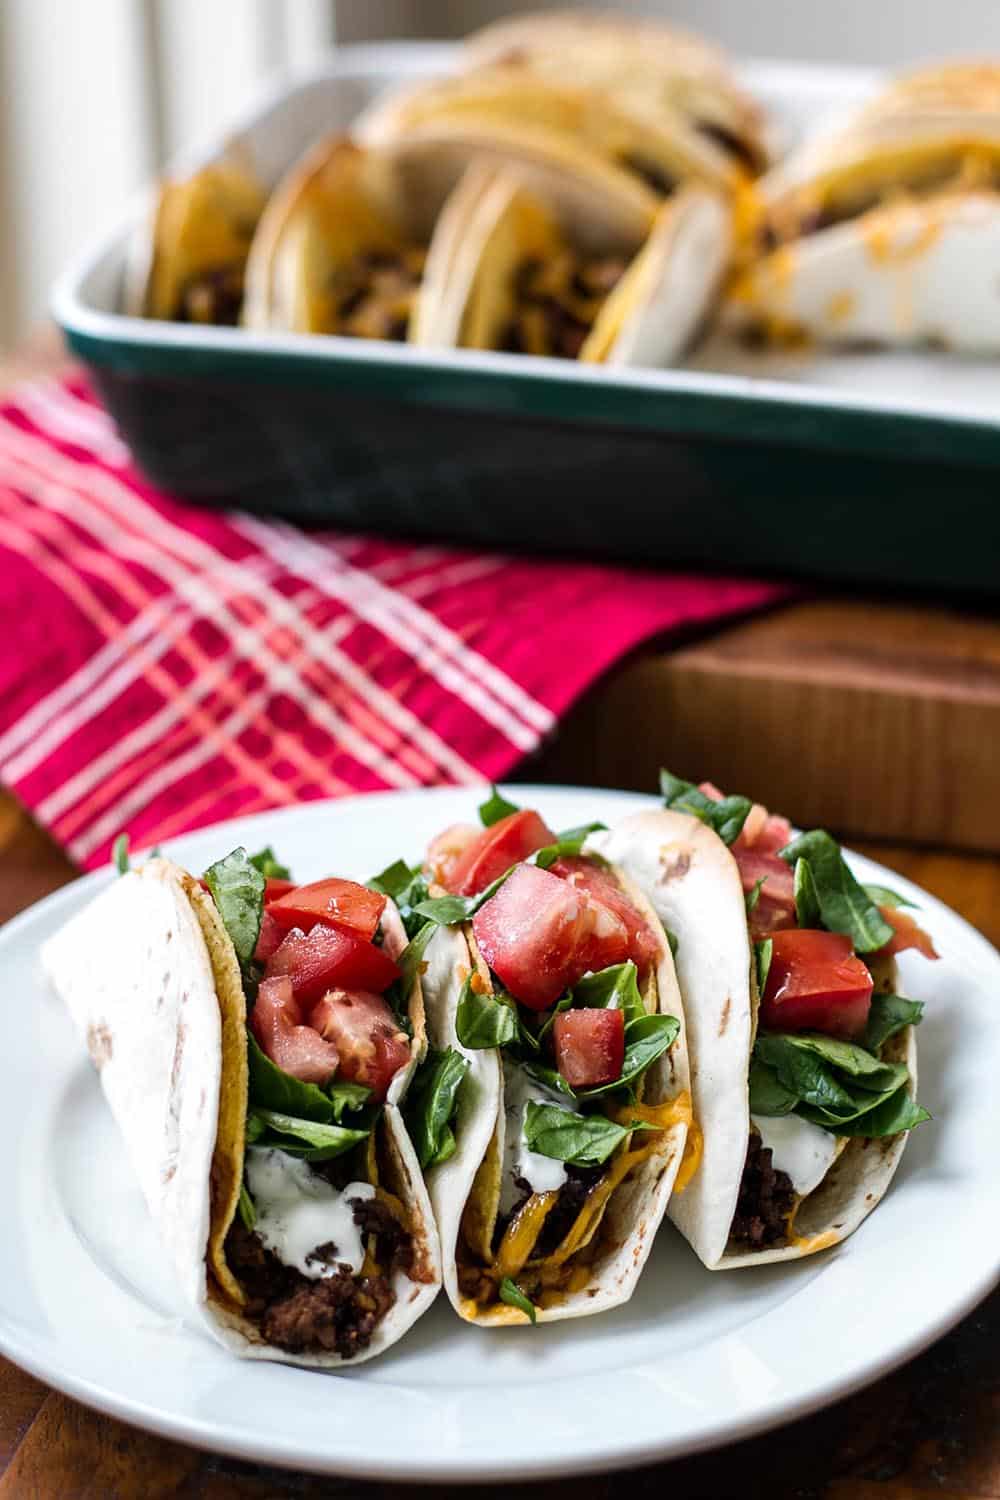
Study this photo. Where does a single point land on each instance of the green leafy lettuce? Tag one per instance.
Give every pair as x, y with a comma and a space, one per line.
269, 865
297, 1137
431, 1105
725, 817
273, 1089
843, 903
237, 888
578, 1140
511, 1293
842, 1086
495, 808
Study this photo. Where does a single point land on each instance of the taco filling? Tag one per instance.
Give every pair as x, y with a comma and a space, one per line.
320, 1226
830, 1061
557, 302
562, 984
374, 294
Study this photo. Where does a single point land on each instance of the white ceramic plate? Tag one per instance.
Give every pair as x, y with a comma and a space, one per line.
696, 1359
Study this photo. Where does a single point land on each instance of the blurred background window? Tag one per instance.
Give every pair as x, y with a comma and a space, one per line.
95, 96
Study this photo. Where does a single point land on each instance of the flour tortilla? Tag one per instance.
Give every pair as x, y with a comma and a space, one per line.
151, 981
644, 63
694, 885
907, 199
649, 318
635, 1208
193, 224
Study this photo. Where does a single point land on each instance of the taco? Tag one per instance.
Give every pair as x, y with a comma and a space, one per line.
532, 119
654, 68
187, 259
552, 1005
886, 232
526, 274
343, 244
270, 1146
803, 1052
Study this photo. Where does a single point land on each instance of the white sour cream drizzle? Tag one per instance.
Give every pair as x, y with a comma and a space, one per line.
803, 1150
298, 1211
544, 1173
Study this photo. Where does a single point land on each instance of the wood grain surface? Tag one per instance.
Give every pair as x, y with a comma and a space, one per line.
817, 707
931, 1429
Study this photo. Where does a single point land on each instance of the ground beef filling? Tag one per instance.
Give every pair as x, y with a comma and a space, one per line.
335, 1314
765, 1202
373, 295
557, 303
215, 297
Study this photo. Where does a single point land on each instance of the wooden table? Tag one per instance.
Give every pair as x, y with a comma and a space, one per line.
821, 701
930, 1429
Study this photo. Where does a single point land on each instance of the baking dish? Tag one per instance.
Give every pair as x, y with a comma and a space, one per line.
870, 466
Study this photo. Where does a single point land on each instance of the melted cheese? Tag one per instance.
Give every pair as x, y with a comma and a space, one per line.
299, 1211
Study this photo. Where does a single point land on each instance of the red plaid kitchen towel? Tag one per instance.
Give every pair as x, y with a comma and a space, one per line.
162, 667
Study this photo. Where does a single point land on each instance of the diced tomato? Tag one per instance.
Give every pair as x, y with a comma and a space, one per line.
276, 1021
907, 934
275, 887
495, 849
540, 935
775, 907
598, 881
444, 851
366, 1034
341, 903
317, 960
590, 1046
271, 935
764, 832
816, 983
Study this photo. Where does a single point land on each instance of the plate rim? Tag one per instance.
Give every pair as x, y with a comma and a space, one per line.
98, 1395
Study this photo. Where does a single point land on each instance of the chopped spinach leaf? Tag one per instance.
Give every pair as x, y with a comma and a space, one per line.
237, 889
579, 1140
763, 953
119, 854
494, 808
646, 1038
568, 844
431, 1105
309, 1139
271, 1088
614, 988
807, 912
447, 911
889, 1014
483, 1020
511, 1293
725, 817
843, 903
752, 897
248, 1214
882, 896
269, 865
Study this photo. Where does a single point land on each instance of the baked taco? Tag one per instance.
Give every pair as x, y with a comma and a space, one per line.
654, 68
255, 1040
888, 231
187, 259
528, 275
551, 999
803, 1053
342, 246
527, 118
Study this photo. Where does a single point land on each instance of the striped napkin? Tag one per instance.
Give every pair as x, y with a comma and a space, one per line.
163, 667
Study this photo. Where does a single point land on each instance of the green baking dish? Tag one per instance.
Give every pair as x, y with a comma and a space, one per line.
859, 467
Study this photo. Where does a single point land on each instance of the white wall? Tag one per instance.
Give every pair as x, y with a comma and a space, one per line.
93, 93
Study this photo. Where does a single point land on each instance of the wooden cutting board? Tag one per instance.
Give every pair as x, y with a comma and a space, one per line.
879, 720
